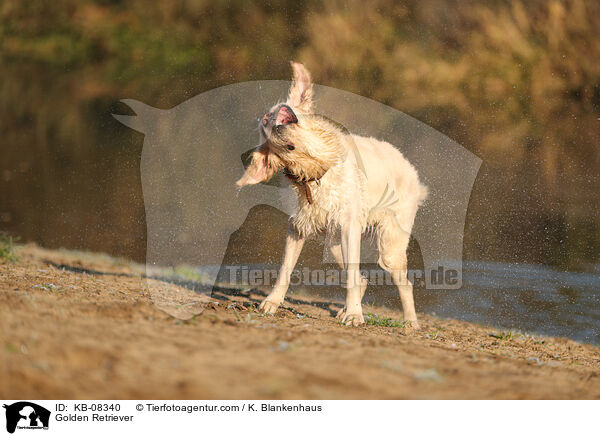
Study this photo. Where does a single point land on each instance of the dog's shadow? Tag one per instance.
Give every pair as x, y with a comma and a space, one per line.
259, 241
248, 297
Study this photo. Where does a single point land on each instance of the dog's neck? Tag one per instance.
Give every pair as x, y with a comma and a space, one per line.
309, 168
302, 182
296, 174
322, 154
303, 175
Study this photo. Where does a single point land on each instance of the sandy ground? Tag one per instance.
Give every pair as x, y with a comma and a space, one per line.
68, 333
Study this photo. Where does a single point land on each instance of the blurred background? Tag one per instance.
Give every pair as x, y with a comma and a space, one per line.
515, 82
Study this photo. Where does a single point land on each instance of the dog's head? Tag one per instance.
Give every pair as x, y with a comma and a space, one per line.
293, 137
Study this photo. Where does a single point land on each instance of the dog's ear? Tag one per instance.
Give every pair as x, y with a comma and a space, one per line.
301, 91
263, 166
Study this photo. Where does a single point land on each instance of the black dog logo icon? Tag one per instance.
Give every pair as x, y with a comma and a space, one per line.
24, 414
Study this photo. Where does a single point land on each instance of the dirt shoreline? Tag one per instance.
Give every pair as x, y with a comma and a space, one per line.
69, 333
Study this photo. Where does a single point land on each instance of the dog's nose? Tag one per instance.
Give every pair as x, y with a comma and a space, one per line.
265, 119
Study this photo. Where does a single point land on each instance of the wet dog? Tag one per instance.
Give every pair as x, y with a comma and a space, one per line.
340, 180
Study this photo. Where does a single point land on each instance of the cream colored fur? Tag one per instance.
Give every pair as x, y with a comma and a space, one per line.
362, 183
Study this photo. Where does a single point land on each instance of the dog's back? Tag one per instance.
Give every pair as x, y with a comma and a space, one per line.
392, 183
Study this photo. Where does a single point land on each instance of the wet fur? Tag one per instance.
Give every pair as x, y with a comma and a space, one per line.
363, 183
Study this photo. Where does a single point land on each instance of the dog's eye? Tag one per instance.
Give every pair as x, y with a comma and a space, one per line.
291, 147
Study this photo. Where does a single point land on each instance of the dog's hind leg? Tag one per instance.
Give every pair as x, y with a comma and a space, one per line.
293, 246
393, 242
336, 252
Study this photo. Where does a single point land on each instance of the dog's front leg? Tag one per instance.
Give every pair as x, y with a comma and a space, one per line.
336, 251
351, 252
293, 246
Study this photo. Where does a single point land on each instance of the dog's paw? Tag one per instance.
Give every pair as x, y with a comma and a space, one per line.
353, 319
341, 313
269, 307
413, 324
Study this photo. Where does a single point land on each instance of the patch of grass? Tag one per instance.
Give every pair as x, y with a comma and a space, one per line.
432, 334
47, 287
250, 316
373, 319
435, 333
7, 248
506, 335
249, 319
189, 273
517, 335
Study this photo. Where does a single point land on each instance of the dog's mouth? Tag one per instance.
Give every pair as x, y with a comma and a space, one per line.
285, 116
277, 120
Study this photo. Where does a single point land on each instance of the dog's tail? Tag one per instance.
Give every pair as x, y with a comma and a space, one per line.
423, 193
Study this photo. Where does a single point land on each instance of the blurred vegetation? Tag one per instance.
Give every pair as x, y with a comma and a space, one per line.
7, 248
516, 82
